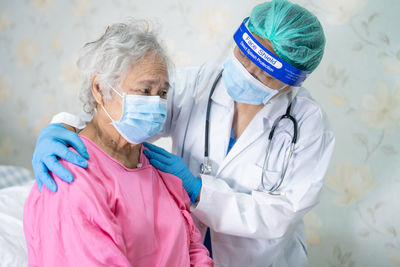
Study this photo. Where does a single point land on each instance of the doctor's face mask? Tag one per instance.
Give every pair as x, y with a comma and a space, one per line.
141, 118
243, 87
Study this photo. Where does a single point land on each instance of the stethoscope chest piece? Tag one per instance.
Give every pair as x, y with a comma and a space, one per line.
205, 167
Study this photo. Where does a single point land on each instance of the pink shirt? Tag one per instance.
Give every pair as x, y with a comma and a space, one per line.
112, 216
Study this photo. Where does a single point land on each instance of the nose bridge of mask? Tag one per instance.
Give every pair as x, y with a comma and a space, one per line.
134, 103
145, 105
139, 104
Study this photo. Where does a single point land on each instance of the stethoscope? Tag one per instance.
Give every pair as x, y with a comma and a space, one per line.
206, 168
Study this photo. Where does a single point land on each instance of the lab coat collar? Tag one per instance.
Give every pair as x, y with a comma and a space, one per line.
275, 108
221, 96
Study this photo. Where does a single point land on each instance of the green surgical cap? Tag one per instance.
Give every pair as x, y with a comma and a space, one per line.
295, 33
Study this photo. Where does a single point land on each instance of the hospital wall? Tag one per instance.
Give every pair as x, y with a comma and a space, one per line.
357, 222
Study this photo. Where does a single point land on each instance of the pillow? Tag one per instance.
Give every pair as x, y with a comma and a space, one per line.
14, 175
13, 251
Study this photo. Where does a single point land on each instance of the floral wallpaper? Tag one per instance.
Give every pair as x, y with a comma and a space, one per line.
357, 222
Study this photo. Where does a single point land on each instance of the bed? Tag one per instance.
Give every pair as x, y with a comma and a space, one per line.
15, 185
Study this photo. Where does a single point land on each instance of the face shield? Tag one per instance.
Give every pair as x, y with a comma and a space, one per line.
266, 60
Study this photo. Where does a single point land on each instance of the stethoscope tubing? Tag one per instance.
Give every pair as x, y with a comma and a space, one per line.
205, 167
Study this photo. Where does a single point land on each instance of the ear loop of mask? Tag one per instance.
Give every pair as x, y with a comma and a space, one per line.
105, 108
107, 114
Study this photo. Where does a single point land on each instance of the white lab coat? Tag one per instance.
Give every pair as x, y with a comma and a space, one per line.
248, 227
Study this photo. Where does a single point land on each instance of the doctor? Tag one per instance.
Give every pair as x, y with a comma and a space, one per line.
249, 143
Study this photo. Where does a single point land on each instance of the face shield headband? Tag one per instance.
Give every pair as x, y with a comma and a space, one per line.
264, 59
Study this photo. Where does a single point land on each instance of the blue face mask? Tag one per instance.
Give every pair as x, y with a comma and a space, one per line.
242, 86
142, 117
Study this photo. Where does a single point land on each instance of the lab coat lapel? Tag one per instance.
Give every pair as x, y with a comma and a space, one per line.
222, 110
260, 124
253, 131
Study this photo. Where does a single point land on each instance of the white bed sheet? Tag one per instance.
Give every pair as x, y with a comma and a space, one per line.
13, 250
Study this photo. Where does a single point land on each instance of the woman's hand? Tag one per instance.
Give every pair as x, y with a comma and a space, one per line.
53, 142
170, 163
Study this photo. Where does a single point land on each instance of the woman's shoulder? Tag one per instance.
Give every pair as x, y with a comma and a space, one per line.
76, 198
86, 182
176, 190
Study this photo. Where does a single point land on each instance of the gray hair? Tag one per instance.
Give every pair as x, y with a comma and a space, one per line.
112, 56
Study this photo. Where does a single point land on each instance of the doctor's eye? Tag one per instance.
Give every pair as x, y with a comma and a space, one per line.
266, 76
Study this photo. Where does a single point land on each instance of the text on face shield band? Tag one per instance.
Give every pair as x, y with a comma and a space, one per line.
266, 60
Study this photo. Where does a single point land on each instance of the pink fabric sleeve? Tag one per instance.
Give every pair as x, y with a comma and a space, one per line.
75, 226
198, 253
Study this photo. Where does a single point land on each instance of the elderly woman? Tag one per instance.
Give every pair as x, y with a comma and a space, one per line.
119, 211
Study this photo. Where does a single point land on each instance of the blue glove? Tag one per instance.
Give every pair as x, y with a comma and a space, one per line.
53, 142
170, 163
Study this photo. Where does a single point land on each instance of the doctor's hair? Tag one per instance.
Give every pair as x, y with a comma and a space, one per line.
113, 54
